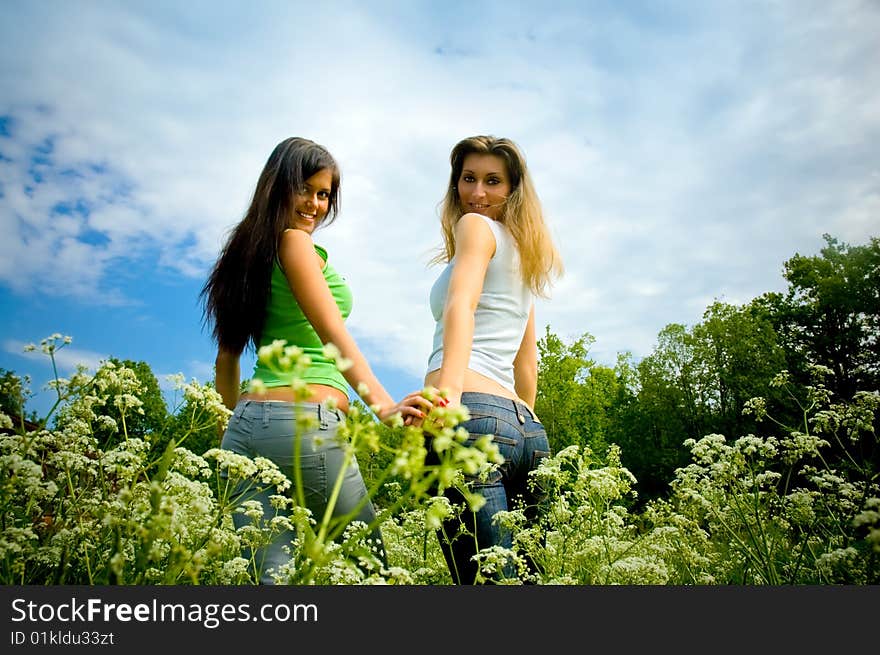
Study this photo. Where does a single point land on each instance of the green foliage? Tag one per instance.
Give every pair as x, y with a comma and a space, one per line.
830, 315
560, 368
698, 464
754, 510
562, 392
191, 422
10, 392
771, 510
737, 353
14, 393
155, 411
124, 394
77, 507
669, 407
695, 382
584, 533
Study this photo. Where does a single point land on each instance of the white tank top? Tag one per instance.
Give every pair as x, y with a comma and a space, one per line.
501, 315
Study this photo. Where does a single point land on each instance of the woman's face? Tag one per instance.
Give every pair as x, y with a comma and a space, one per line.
310, 204
484, 184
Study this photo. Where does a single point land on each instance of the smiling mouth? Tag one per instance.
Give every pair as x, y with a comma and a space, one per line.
309, 217
477, 205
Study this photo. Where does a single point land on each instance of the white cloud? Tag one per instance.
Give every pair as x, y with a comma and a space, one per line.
680, 157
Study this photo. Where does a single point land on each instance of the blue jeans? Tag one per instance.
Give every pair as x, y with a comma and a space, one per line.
522, 441
267, 429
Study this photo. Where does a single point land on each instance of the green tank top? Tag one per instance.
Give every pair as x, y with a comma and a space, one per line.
285, 320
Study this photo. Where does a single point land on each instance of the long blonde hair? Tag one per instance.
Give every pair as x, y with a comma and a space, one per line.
522, 214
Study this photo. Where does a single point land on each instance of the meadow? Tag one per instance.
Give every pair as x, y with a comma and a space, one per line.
742, 451
87, 502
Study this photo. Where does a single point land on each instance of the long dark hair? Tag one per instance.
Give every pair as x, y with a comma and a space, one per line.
235, 295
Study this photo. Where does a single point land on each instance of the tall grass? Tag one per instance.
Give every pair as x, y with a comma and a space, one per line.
80, 507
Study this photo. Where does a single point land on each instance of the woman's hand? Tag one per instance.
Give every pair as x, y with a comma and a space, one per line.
435, 398
413, 407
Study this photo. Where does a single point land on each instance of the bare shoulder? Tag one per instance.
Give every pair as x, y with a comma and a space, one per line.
472, 231
474, 221
296, 250
297, 240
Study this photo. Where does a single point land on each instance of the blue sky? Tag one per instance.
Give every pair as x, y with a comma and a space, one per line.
682, 151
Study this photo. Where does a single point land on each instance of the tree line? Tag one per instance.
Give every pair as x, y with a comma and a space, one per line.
698, 379
741, 450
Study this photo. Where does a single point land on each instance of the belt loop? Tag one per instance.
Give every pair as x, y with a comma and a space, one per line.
267, 413
321, 418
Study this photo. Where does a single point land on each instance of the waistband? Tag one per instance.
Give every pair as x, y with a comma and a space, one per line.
517, 407
287, 409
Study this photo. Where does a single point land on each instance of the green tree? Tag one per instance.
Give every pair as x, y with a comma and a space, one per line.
130, 403
830, 314
13, 397
673, 383
667, 410
696, 382
598, 396
737, 353
562, 369
830, 317
155, 410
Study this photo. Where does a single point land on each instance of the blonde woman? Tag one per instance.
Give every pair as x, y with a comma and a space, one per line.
499, 257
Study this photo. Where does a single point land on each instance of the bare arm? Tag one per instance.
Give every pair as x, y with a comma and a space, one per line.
525, 364
475, 246
306, 280
227, 377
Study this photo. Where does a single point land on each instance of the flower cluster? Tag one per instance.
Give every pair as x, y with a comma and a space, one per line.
87, 500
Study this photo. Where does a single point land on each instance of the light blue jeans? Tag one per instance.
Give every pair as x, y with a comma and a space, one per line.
267, 429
